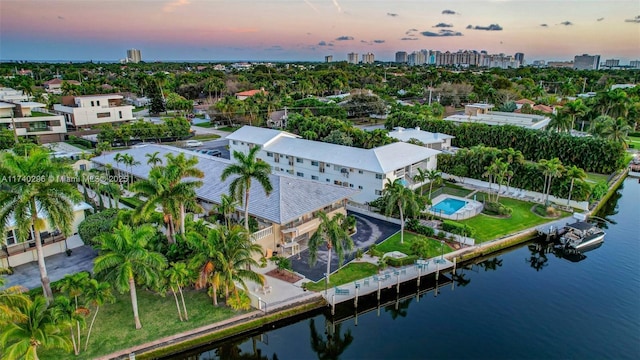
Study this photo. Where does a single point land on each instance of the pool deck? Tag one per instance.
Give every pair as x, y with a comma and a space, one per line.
471, 208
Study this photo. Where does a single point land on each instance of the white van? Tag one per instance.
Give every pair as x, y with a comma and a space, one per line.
192, 143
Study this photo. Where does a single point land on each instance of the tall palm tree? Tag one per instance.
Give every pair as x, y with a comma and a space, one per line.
178, 169
560, 122
224, 258
617, 131
550, 169
125, 260
330, 232
66, 314
25, 200
97, 294
158, 190
153, 159
130, 161
574, 173
21, 340
74, 285
247, 168
397, 196
433, 175
575, 109
178, 276
421, 177
226, 207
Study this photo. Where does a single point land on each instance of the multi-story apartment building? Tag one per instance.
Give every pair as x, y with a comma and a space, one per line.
401, 57
586, 62
134, 56
634, 64
29, 119
90, 110
328, 58
366, 170
368, 58
352, 58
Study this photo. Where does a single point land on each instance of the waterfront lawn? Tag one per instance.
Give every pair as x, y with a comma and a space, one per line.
490, 228
349, 273
393, 244
596, 178
635, 141
114, 328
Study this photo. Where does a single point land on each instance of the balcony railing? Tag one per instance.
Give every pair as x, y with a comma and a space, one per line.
261, 234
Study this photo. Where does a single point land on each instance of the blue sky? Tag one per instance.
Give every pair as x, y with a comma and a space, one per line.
210, 30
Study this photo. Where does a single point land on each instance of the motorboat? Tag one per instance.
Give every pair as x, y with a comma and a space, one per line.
582, 236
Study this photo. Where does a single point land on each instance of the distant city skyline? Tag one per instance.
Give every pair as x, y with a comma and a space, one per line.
309, 30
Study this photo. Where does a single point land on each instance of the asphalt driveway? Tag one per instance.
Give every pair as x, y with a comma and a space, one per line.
369, 231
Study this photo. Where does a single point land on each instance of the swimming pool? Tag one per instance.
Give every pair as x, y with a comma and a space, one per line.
448, 206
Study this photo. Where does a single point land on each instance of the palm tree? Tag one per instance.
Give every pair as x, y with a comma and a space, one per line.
158, 190
128, 160
575, 109
21, 199
112, 191
227, 207
397, 196
247, 168
330, 232
550, 169
560, 122
178, 276
97, 294
21, 340
224, 258
74, 286
433, 175
178, 169
573, 173
125, 260
617, 131
153, 159
66, 314
421, 177
11, 299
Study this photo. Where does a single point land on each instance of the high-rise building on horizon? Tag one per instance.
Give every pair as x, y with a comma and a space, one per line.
586, 62
352, 58
519, 58
401, 57
611, 63
133, 56
368, 58
634, 64
328, 58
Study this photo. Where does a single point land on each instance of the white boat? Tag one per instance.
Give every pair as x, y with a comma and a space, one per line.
581, 235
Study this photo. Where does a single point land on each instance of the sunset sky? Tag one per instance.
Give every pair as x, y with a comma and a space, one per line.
211, 30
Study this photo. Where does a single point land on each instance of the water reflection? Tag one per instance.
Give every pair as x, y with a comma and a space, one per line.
334, 344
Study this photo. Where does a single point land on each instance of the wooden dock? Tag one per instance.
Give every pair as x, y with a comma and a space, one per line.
391, 278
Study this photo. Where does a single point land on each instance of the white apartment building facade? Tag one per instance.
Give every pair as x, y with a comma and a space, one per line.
90, 110
365, 170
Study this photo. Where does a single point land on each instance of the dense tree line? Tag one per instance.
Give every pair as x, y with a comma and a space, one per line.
170, 129
589, 153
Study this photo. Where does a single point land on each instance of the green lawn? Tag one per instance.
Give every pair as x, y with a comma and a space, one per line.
351, 272
393, 244
229, 128
490, 228
114, 328
206, 137
39, 114
596, 178
138, 108
635, 141
204, 124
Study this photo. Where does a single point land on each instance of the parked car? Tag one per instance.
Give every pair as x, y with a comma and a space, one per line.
213, 153
192, 143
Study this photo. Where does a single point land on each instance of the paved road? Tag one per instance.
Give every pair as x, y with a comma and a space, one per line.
369, 231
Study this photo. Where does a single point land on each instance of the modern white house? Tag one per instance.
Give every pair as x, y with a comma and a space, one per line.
437, 141
16, 251
366, 170
480, 113
12, 95
90, 110
54, 86
31, 119
286, 218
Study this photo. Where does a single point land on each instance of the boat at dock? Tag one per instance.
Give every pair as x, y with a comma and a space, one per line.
581, 236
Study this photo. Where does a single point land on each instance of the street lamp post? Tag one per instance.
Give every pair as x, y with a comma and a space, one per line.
441, 250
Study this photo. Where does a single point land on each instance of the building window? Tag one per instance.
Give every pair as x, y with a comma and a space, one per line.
299, 160
314, 177
120, 114
378, 192
328, 180
336, 182
98, 102
360, 171
92, 104
235, 142
379, 176
103, 115
10, 238
314, 163
360, 187
83, 167
299, 174
351, 185
269, 154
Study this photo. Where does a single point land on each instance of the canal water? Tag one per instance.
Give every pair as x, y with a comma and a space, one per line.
525, 303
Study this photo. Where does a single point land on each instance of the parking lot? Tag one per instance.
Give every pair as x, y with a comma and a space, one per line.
217, 148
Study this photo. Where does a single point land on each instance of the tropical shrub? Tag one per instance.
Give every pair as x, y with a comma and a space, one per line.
96, 224
496, 208
415, 226
457, 228
239, 302
397, 262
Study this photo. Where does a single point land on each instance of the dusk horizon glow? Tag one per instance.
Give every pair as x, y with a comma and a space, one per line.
308, 30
